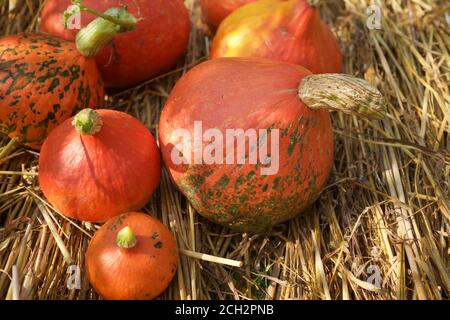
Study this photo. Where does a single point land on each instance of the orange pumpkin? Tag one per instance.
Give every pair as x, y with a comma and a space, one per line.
289, 31
214, 11
131, 257
158, 40
44, 80
98, 165
249, 141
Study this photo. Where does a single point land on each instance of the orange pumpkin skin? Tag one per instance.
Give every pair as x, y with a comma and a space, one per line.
139, 273
289, 31
248, 93
158, 41
43, 81
214, 11
93, 178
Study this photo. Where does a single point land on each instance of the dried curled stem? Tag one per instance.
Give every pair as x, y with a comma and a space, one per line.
344, 93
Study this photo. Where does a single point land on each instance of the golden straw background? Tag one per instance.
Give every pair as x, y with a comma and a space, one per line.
386, 207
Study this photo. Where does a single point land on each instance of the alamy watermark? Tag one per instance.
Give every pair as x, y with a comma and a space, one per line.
374, 17
72, 17
374, 270
74, 279
234, 146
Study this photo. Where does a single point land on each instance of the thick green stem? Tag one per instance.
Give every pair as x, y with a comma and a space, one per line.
344, 93
92, 38
125, 238
87, 122
125, 24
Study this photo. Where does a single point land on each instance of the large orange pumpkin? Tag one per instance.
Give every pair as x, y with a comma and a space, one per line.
249, 141
152, 48
43, 81
214, 11
131, 257
289, 31
98, 165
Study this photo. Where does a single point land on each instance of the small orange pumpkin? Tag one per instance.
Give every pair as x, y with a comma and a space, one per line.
101, 164
131, 257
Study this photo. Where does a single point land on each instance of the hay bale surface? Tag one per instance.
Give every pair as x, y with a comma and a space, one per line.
380, 230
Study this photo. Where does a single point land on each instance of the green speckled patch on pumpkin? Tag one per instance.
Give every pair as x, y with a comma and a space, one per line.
223, 182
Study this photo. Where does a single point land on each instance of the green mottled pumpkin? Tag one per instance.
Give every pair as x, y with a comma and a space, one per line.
249, 141
43, 81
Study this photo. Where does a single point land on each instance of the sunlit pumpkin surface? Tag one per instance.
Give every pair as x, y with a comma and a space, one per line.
95, 177
288, 31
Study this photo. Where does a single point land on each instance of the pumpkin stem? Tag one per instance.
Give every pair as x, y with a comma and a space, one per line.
87, 122
126, 238
127, 25
344, 93
92, 38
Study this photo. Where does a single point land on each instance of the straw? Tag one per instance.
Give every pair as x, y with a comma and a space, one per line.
384, 217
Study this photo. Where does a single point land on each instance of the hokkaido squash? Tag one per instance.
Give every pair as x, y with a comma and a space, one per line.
43, 81
131, 257
98, 165
214, 11
289, 31
158, 40
249, 141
